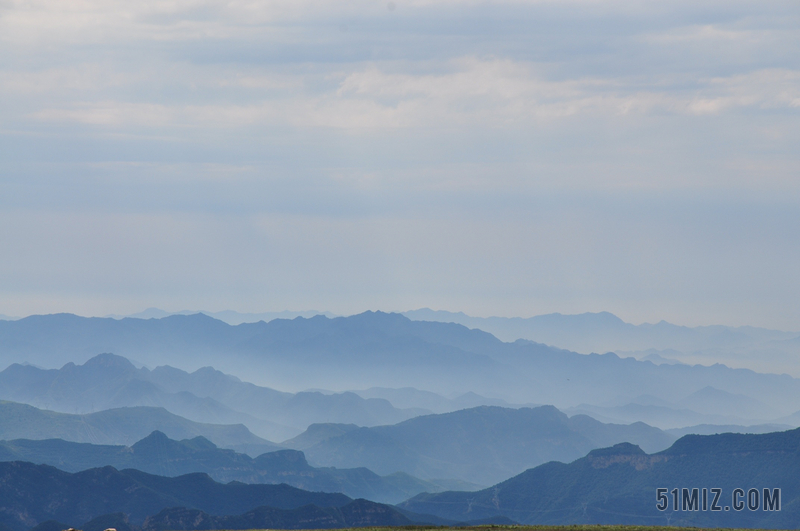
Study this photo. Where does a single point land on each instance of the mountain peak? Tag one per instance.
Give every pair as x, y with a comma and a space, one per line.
626, 449
283, 460
109, 360
155, 438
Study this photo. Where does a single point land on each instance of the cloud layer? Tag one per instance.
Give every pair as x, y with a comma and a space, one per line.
513, 157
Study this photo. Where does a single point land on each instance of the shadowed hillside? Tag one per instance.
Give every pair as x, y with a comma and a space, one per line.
618, 485
157, 454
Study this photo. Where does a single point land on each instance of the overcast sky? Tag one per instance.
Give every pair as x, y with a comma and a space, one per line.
497, 158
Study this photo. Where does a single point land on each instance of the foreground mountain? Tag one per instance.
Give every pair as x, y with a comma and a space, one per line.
120, 426
386, 350
619, 485
358, 513
107, 381
40, 495
160, 455
480, 445
33, 494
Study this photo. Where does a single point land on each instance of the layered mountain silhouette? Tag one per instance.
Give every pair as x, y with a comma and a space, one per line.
40, 495
746, 346
705, 406
160, 455
480, 445
618, 485
120, 426
386, 350
108, 381
33, 494
459, 450
412, 398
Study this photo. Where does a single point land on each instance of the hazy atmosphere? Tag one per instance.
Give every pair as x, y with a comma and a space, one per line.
498, 158
399, 264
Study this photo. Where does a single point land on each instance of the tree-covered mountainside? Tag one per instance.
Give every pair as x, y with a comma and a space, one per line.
618, 485
160, 455
481, 445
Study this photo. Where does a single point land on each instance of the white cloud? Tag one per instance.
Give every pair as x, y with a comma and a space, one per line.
470, 92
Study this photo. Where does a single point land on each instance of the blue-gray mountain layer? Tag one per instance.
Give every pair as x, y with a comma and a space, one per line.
158, 454
619, 485
385, 350
119, 426
481, 445
35, 494
109, 381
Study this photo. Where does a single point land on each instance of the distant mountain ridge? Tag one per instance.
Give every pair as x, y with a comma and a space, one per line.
760, 349
120, 426
107, 381
157, 454
480, 445
387, 350
410, 397
604, 331
229, 316
618, 485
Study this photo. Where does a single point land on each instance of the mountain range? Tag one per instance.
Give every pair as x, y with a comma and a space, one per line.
449, 407
705, 406
120, 426
107, 381
618, 485
229, 316
157, 454
480, 445
751, 347
387, 350
462, 449
36, 494
662, 342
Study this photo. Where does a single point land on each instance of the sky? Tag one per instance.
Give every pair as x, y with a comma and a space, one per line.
508, 158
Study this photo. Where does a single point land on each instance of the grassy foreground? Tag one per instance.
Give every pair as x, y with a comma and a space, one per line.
534, 528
